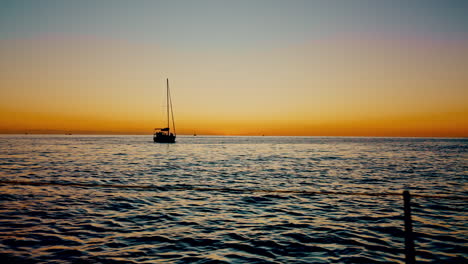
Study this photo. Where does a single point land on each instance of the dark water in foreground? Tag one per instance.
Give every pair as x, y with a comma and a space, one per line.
176, 223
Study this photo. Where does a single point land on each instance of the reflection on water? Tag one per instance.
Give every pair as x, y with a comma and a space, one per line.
123, 225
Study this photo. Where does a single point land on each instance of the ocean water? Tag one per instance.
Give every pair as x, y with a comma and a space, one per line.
125, 199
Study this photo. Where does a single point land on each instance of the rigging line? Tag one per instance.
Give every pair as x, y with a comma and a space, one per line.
167, 102
234, 190
172, 111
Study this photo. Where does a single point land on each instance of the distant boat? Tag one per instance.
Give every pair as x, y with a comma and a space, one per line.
164, 135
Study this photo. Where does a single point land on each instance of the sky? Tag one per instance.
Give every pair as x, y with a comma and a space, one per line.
244, 67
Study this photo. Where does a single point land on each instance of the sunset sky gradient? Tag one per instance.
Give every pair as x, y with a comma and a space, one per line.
249, 67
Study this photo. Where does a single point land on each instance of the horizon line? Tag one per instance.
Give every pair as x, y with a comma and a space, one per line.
226, 135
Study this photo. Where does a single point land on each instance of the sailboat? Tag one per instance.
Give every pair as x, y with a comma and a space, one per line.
164, 135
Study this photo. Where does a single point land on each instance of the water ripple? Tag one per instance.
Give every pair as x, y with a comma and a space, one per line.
209, 200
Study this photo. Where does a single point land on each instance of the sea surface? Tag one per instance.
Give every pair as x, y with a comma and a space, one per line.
125, 199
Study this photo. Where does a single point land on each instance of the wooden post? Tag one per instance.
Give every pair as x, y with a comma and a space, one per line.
409, 238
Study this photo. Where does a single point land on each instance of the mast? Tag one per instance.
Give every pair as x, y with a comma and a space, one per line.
172, 112
167, 104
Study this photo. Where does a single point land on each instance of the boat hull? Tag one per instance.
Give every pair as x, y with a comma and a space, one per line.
164, 139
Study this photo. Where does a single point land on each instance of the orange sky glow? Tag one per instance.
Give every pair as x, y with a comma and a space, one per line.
358, 81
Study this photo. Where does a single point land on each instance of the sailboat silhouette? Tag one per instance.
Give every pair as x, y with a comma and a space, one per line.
164, 135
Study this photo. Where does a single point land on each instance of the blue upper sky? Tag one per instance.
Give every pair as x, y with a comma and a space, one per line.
214, 23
